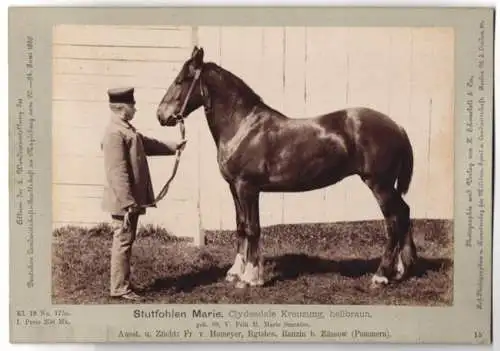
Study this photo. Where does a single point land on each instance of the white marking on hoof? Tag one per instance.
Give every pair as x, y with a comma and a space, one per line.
377, 280
251, 275
400, 268
237, 270
258, 282
241, 285
231, 278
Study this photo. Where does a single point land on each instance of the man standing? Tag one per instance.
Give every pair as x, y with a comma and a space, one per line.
129, 188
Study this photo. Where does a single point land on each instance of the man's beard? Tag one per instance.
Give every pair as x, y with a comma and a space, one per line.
129, 116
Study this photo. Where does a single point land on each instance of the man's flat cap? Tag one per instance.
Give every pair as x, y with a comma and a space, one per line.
121, 95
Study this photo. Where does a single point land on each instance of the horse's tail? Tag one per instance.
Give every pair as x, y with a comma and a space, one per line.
406, 166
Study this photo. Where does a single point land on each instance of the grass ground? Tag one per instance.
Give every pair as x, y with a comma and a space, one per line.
305, 264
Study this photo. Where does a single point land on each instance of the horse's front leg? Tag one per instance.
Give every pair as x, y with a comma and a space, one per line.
236, 271
253, 274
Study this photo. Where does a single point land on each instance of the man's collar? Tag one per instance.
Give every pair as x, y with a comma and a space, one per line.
115, 118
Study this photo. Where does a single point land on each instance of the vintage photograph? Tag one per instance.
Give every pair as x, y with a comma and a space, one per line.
252, 165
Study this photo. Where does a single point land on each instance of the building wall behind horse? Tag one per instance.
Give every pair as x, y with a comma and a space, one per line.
406, 73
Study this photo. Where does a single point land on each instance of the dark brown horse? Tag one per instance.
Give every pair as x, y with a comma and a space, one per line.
261, 150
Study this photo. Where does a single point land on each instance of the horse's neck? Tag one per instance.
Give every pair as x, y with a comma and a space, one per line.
224, 111
224, 121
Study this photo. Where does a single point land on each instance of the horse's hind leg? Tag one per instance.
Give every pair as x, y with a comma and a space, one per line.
399, 253
407, 255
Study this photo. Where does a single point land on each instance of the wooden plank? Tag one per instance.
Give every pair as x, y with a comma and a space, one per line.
78, 169
175, 216
64, 191
95, 114
175, 55
326, 85
81, 202
69, 194
308, 205
159, 70
77, 209
400, 63
258, 64
121, 36
369, 73
271, 87
77, 142
157, 27
327, 74
80, 115
298, 207
85, 140
369, 77
109, 81
211, 182
90, 170
400, 93
242, 61
420, 112
89, 92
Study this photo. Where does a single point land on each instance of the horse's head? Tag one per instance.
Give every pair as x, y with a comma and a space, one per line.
184, 94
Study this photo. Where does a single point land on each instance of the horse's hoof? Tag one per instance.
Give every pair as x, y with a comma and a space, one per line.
400, 269
378, 280
241, 284
258, 282
399, 276
231, 278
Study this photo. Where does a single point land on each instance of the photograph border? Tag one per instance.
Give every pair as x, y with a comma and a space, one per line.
30, 105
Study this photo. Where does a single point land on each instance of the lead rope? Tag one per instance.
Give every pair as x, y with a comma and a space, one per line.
179, 117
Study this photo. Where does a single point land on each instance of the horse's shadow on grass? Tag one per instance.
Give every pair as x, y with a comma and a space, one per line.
291, 266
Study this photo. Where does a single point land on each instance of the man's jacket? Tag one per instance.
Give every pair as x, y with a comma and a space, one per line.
126, 166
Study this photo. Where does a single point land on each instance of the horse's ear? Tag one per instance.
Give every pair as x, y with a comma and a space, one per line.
195, 50
198, 56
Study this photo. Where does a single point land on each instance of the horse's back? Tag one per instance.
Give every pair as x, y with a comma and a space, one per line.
360, 119
376, 140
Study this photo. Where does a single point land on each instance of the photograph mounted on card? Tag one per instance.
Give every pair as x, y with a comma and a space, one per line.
175, 183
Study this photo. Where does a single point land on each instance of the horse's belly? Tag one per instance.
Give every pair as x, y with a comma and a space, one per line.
307, 175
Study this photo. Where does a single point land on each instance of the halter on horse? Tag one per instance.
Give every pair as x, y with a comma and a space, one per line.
261, 150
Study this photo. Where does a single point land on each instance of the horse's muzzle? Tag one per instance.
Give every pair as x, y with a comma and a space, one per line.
170, 122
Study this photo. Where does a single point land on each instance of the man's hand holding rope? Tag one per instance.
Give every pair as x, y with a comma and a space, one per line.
134, 209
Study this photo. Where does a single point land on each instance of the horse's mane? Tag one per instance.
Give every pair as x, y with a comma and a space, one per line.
237, 85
